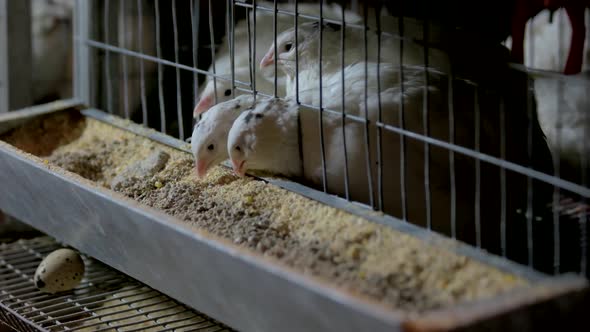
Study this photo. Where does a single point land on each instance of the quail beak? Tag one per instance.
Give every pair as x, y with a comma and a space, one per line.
203, 105
238, 166
201, 168
268, 59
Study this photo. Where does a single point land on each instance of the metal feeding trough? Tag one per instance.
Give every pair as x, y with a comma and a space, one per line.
236, 286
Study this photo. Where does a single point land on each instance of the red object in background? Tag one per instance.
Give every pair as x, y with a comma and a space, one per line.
526, 9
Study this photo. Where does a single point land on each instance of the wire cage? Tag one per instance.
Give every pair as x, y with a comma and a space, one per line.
407, 114
463, 150
105, 301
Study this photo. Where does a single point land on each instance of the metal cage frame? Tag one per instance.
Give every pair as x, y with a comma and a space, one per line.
304, 296
86, 64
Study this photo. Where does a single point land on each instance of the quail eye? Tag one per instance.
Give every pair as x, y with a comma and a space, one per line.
227, 92
238, 148
210, 147
288, 46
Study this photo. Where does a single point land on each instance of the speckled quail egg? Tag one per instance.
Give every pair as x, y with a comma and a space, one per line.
60, 271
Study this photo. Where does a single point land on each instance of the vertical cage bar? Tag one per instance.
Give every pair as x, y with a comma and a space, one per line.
343, 106
228, 39
251, 47
380, 113
82, 55
529, 209
4, 49
231, 32
160, 71
452, 179
107, 64
296, 22
557, 156
212, 45
583, 216
366, 112
354, 6
477, 172
426, 130
178, 86
227, 28
556, 191
402, 138
144, 115
502, 177
530, 101
321, 109
15, 55
122, 44
275, 63
299, 127
195, 44
254, 64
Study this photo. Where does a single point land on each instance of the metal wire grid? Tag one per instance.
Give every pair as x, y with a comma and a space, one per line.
106, 300
209, 20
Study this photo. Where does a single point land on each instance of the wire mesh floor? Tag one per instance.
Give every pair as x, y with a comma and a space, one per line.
105, 300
